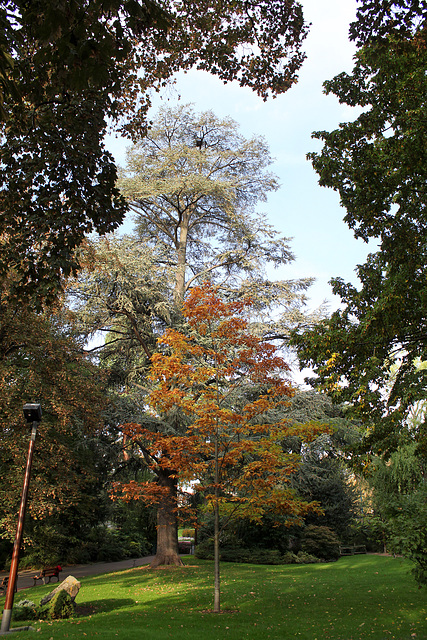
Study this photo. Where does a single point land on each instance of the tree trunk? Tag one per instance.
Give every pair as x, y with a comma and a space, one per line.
167, 525
217, 588
181, 248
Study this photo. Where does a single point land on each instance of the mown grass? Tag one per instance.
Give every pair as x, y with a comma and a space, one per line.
356, 598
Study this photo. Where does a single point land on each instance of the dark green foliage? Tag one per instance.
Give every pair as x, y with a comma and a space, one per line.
41, 361
107, 545
61, 606
271, 533
324, 478
400, 505
377, 18
321, 542
323, 474
6, 547
378, 164
369, 531
74, 453
299, 558
253, 556
237, 553
409, 531
100, 543
66, 68
57, 179
25, 610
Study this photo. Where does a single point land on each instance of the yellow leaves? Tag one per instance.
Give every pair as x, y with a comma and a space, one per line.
330, 363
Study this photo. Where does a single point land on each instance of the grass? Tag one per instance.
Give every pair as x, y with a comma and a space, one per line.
356, 598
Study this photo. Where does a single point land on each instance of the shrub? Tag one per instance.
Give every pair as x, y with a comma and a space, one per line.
321, 542
204, 550
6, 548
61, 606
300, 558
306, 558
106, 544
231, 553
38, 558
24, 610
235, 554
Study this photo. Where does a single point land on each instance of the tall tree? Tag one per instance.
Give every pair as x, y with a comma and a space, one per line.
67, 68
194, 182
225, 382
195, 207
377, 163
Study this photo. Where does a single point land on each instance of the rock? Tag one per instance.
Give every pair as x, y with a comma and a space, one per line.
70, 585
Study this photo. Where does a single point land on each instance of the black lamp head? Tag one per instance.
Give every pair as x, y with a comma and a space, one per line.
32, 412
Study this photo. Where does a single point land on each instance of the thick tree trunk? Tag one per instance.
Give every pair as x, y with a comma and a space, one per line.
167, 525
181, 248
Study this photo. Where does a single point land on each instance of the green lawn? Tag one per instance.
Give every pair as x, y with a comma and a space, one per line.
353, 599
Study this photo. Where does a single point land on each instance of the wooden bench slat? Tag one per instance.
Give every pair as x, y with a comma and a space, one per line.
48, 572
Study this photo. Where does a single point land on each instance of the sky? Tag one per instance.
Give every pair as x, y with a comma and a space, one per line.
311, 215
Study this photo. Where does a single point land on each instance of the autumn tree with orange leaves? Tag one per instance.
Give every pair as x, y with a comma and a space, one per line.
223, 383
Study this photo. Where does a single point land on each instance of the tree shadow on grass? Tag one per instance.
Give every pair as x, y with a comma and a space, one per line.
101, 606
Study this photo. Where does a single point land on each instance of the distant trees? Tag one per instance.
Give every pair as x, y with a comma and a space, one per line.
325, 471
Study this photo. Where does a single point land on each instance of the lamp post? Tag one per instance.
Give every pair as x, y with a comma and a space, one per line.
32, 414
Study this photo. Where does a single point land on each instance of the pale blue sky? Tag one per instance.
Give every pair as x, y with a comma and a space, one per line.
301, 209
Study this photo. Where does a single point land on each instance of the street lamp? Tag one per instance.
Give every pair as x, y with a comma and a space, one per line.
33, 415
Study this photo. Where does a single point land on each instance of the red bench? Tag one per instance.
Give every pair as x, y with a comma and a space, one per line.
49, 572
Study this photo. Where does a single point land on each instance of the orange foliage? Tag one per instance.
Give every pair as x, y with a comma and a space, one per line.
228, 384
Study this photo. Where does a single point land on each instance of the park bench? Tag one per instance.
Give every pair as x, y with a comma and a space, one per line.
48, 572
3, 585
352, 550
